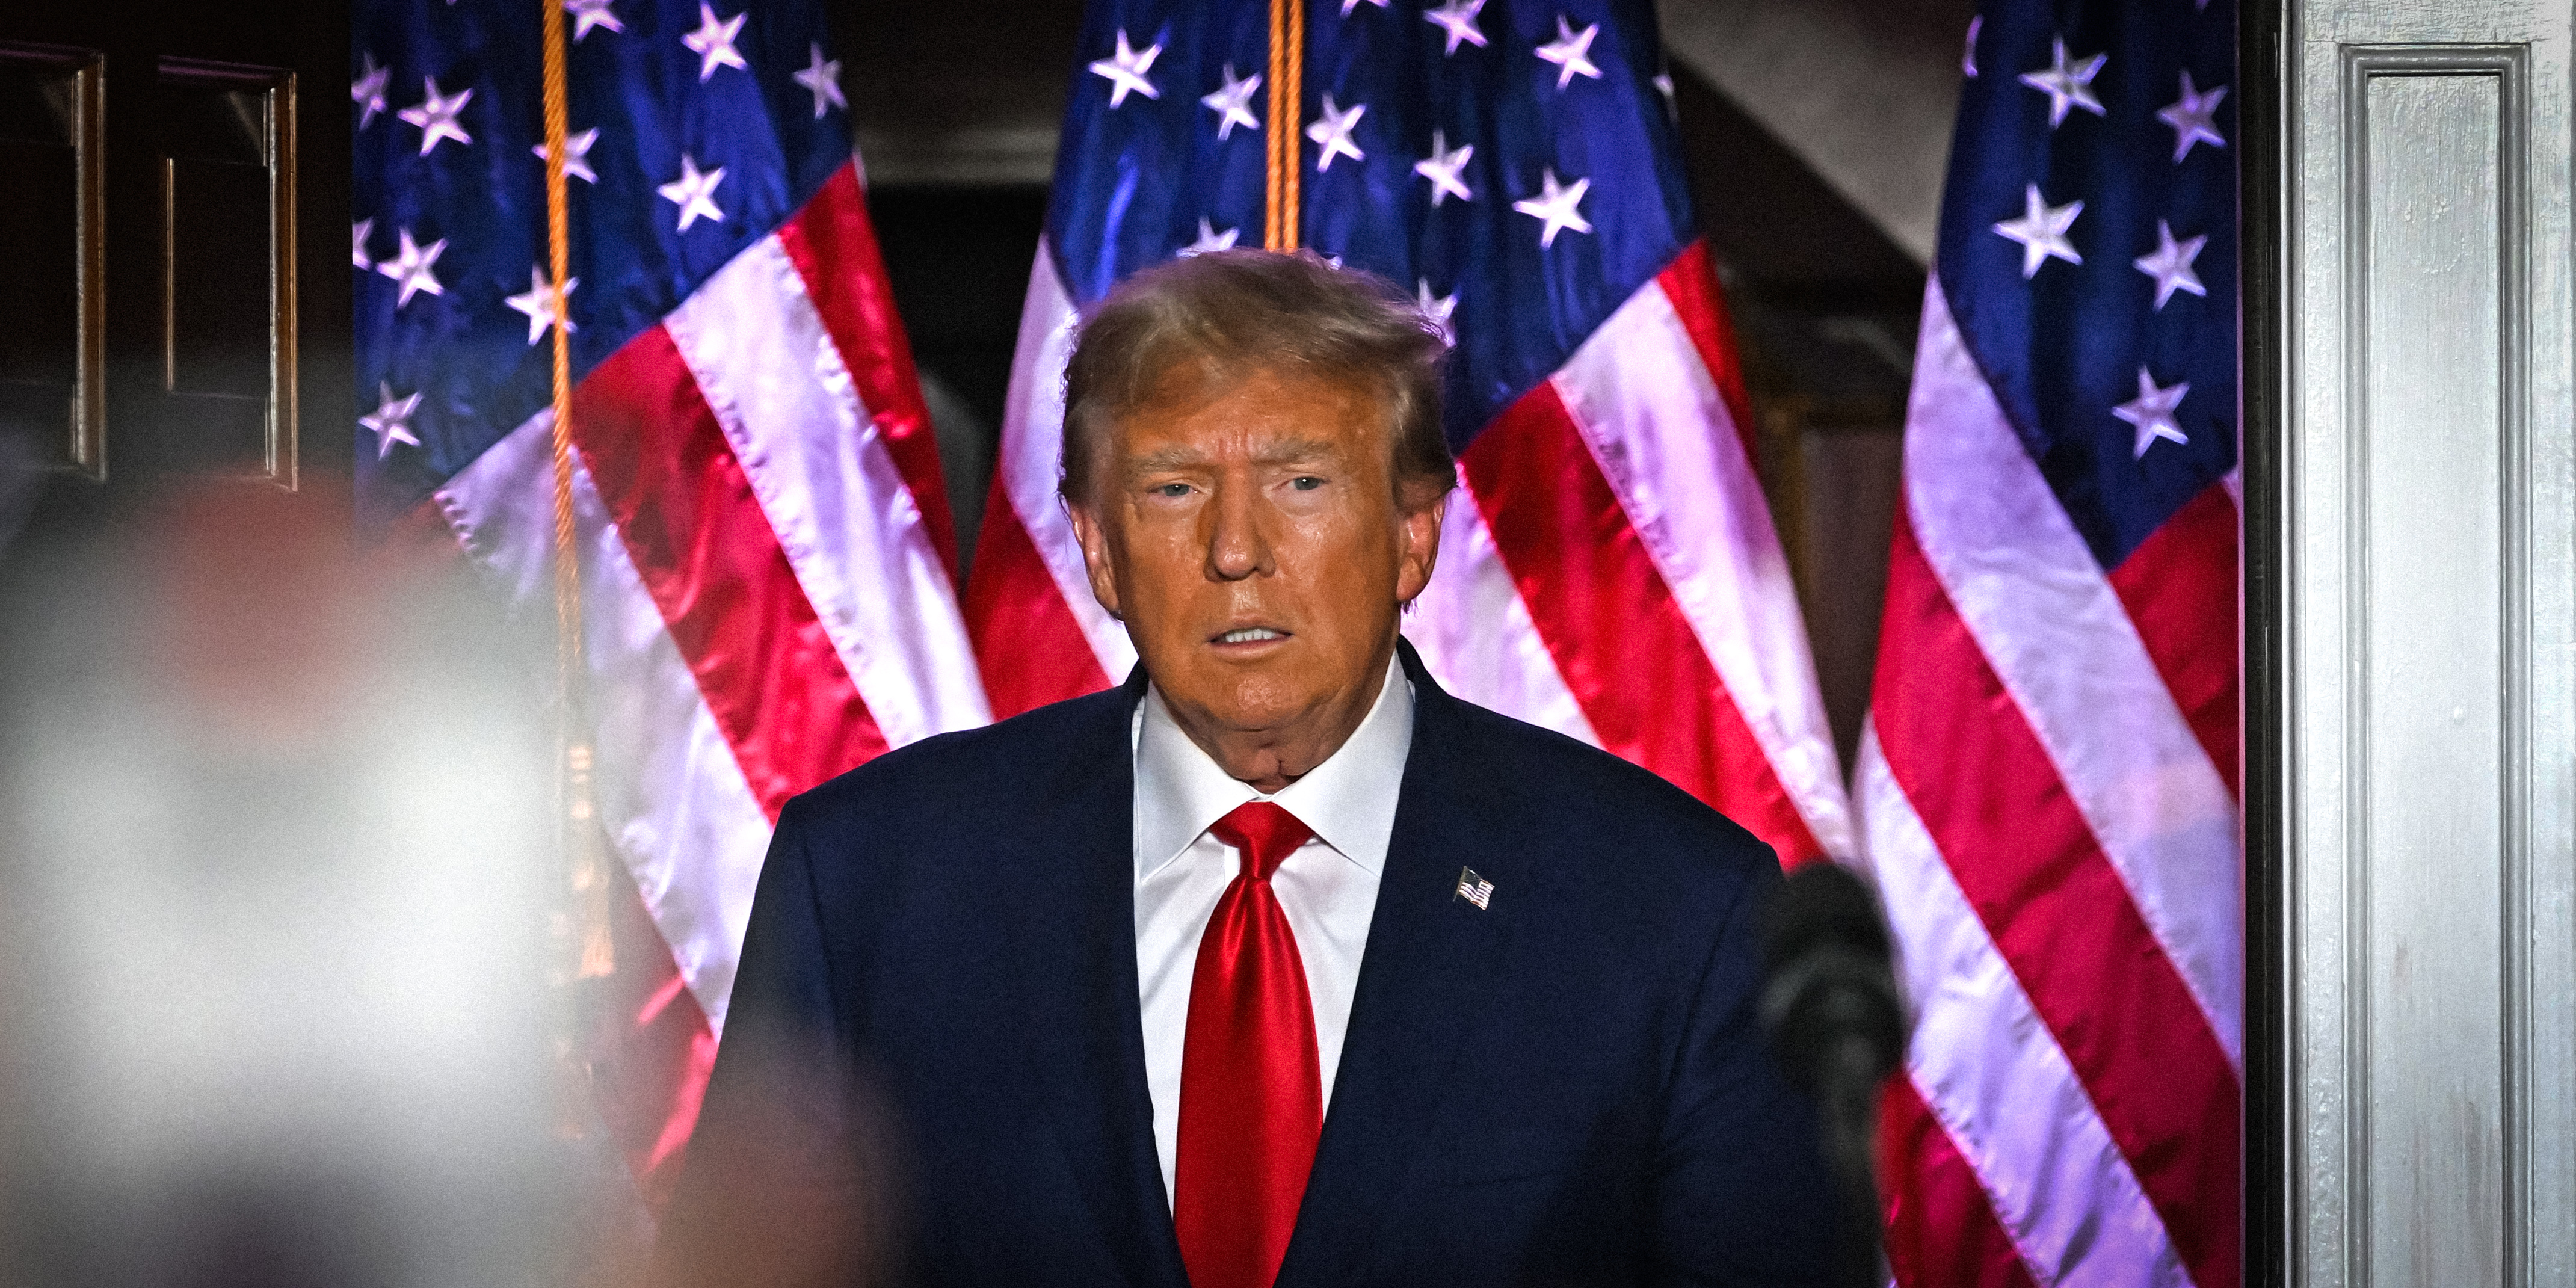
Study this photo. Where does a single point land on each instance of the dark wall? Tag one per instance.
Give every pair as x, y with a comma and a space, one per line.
959, 258
1825, 307
955, 107
184, 384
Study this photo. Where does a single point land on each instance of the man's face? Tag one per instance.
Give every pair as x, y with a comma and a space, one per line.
1247, 531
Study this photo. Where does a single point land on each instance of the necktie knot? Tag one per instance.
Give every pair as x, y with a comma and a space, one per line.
1264, 833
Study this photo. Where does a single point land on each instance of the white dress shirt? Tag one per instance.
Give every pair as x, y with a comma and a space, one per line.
1328, 887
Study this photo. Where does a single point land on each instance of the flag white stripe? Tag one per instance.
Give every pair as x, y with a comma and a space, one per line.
1652, 416
2049, 623
1994, 1076
1475, 634
841, 510
1032, 452
670, 795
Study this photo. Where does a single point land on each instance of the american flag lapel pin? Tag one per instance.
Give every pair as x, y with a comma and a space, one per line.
1474, 889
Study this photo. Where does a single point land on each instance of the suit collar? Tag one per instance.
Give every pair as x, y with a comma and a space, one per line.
1350, 799
1430, 956
1075, 930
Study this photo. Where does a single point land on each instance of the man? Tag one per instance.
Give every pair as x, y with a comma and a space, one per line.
1276, 963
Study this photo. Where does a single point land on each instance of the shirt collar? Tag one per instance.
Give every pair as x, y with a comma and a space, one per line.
1349, 800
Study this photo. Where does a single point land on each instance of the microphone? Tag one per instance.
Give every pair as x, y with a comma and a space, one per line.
1830, 1008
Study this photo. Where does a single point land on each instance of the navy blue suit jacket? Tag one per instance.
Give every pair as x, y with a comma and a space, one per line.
1566, 1087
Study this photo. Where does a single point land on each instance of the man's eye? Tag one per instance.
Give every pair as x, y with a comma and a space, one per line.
1173, 490
1305, 482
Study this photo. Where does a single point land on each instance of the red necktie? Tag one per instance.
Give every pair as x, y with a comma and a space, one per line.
1252, 1090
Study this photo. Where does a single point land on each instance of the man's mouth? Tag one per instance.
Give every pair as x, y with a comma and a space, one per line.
1251, 635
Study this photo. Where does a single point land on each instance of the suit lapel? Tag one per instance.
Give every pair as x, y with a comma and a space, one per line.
1075, 918
1429, 958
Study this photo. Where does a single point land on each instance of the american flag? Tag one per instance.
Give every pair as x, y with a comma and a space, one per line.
2049, 784
1610, 569
764, 543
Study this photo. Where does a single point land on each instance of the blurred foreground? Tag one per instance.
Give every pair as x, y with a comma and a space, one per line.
281, 909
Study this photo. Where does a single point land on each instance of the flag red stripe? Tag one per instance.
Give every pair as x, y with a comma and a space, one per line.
1690, 282
1623, 645
672, 1009
652, 1048
2179, 586
1032, 650
1967, 759
835, 250
1941, 1228
706, 553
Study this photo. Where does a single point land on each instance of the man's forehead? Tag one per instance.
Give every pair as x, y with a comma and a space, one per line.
1262, 413
1182, 450
1256, 395
1197, 382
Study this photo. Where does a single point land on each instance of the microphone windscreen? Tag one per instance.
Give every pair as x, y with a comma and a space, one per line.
1817, 905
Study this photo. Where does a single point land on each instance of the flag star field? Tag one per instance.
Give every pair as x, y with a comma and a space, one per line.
449, 153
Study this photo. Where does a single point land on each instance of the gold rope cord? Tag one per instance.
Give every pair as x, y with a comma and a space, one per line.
583, 861
1281, 210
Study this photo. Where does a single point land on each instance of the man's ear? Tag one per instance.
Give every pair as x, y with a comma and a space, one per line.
1418, 547
1094, 536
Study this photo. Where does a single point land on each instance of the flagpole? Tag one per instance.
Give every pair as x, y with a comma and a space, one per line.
1280, 205
587, 879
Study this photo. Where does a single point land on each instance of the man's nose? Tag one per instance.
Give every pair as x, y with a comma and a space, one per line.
1238, 547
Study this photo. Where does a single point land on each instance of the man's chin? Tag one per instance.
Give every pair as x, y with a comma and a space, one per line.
1259, 721
1261, 718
